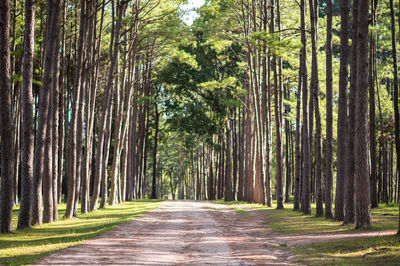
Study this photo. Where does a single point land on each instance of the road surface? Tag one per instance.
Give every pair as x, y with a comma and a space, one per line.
179, 232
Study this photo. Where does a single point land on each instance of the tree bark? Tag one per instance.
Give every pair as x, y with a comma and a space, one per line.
342, 111
298, 164
55, 131
107, 142
7, 124
372, 131
278, 140
362, 175
314, 87
27, 133
107, 106
305, 195
329, 116
395, 89
73, 165
133, 146
153, 183
228, 164
349, 214
42, 157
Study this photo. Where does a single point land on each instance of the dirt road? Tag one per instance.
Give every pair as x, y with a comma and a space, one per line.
195, 233
179, 232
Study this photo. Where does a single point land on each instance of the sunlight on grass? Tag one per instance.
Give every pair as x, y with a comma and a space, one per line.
367, 251
289, 222
240, 210
27, 246
364, 251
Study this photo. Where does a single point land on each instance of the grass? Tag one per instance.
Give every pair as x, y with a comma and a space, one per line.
289, 222
29, 245
364, 251
240, 210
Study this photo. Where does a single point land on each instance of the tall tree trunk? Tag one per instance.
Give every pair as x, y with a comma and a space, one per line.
278, 149
133, 143
287, 147
397, 158
349, 214
235, 153
43, 153
153, 183
27, 133
145, 154
298, 164
395, 89
241, 154
314, 87
7, 124
55, 96
305, 194
362, 175
198, 180
342, 112
52, 127
329, 116
228, 164
107, 142
372, 131
17, 141
210, 183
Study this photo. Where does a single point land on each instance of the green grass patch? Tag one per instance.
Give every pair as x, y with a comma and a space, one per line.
289, 222
365, 251
28, 245
240, 210
233, 202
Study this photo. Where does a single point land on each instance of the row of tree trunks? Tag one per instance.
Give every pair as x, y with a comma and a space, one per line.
57, 129
74, 167
105, 124
43, 143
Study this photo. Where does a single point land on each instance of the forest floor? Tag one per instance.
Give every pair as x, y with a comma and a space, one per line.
319, 241
29, 245
193, 232
178, 232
